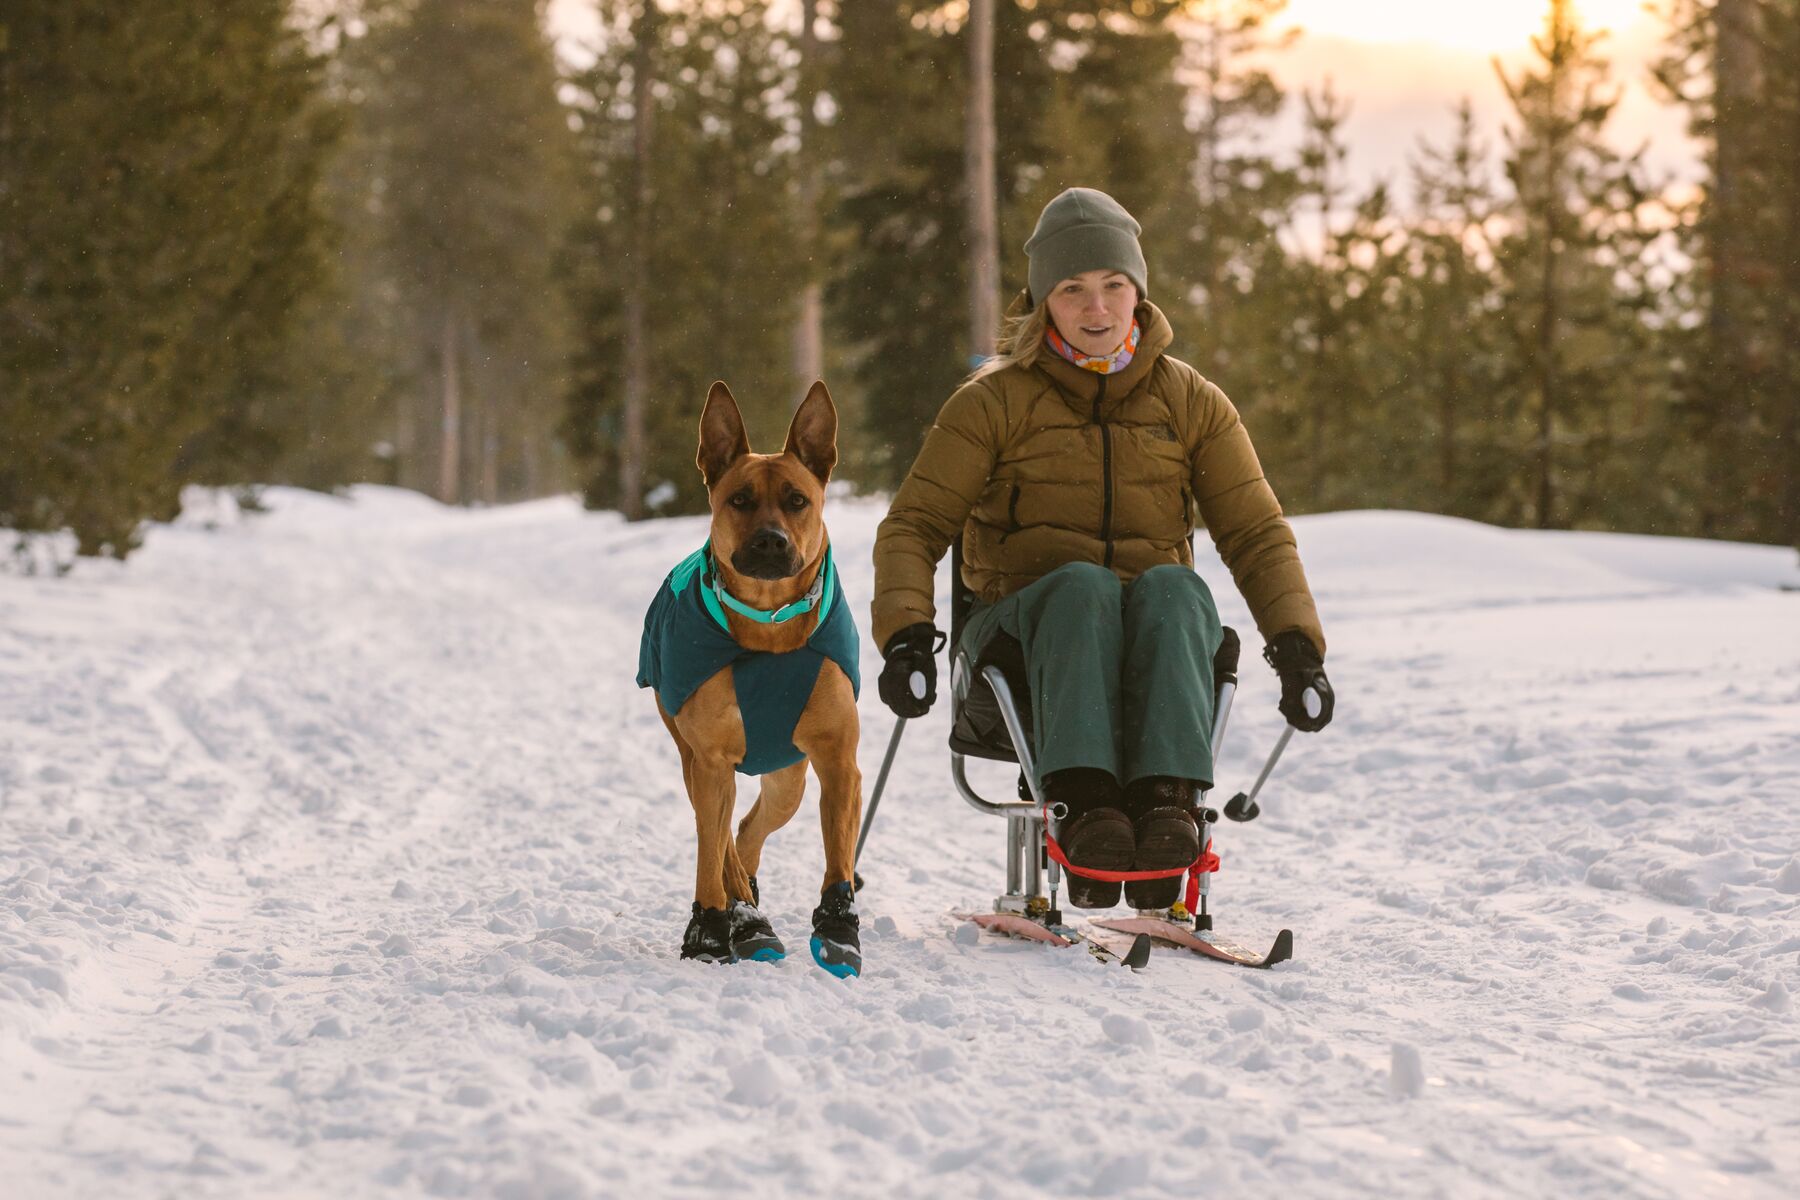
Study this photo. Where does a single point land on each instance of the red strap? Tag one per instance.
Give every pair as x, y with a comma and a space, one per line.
1208, 861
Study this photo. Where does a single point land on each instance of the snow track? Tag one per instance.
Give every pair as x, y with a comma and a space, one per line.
339, 857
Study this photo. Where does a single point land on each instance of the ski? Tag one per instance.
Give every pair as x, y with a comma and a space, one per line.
1021, 926
1162, 929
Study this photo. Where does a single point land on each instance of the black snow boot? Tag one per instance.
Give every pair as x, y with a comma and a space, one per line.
708, 936
836, 943
1096, 833
752, 936
1162, 817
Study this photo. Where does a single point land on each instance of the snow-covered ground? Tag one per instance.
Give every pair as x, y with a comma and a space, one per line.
339, 857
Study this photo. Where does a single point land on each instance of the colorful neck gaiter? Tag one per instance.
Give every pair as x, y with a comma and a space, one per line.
1100, 364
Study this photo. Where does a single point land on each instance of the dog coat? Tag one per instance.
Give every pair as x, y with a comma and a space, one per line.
687, 641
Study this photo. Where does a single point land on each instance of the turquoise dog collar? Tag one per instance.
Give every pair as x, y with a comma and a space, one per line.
717, 599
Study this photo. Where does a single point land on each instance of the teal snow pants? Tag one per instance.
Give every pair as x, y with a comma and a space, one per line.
1121, 675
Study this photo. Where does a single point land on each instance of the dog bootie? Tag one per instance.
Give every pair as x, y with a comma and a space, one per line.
752, 936
708, 936
836, 945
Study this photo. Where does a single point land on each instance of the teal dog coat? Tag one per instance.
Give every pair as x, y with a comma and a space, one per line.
687, 641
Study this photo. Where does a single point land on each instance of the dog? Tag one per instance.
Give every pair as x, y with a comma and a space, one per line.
753, 654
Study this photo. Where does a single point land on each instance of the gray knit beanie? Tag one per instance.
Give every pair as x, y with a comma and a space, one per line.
1083, 230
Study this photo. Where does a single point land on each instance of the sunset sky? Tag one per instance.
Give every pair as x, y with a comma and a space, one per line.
1402, 64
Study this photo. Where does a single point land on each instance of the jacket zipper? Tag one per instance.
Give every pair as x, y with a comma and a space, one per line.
1106, 482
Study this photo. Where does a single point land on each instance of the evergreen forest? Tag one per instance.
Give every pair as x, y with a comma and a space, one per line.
424, 243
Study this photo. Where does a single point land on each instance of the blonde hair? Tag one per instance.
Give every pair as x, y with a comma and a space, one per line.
1021, 341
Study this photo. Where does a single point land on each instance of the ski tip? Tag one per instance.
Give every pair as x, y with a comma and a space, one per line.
843, 970
1138, 957
1282, 950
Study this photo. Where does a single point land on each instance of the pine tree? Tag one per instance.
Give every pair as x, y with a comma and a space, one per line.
349, 364
1452, 353
1244, 194
719, 247
1729, 62
159, 227
1784, 46
897, 296
1085, 95
809, 193
1573, 222
983, 213
476, 201
1320, 399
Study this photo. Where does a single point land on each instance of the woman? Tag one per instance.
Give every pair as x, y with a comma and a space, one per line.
1072, 464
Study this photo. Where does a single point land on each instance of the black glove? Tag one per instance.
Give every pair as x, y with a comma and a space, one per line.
911, 652
1297, 661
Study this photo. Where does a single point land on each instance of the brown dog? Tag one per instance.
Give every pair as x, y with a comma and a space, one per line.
769, 547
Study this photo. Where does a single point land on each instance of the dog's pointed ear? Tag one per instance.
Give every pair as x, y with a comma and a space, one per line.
812, 437
722, 437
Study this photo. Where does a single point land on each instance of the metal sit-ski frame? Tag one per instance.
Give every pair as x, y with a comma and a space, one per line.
973, 735
990, 718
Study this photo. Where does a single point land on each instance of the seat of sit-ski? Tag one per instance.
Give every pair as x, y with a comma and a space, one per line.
977, 729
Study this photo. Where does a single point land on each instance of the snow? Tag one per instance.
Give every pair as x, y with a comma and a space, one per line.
339, 857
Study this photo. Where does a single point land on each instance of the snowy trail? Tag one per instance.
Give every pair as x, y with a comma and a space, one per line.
339, 857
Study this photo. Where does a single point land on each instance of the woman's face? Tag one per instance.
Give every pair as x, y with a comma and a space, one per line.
1092, 310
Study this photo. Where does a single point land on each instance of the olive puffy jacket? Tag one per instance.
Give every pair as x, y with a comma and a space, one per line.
1046, 465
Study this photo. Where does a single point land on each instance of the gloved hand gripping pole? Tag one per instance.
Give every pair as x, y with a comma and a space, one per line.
1244, 808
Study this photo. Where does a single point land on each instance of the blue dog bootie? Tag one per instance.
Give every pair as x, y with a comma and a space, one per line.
752, 936
836, 944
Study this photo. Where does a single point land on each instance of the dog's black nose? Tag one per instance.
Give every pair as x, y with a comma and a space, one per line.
768, 541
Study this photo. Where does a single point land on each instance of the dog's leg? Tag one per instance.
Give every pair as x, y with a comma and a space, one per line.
775, 806
710, 736
827, 734
840, 811
714, 794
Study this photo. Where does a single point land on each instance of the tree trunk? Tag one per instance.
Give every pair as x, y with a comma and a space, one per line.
1786, 46
1449, 396
1737, 104
1549, 314
485, 385
637, 292
984, 235
1548, 381
809, 335
450, 414
490, 449
531, 453
409, 450
1211, 187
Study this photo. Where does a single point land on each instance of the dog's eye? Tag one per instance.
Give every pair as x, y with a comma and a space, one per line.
742, 500
795, 501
